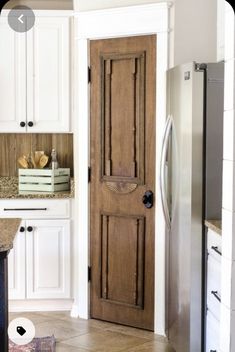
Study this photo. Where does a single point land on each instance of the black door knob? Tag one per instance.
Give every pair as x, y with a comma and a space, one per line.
22, 124
22, 229
30, 123
148, 199
29, 229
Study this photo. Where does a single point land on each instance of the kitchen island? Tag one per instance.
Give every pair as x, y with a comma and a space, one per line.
8, 230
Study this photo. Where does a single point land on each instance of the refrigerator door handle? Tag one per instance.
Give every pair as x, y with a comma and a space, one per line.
162, 171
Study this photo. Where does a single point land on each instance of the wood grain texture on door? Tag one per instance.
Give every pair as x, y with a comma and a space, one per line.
122, 152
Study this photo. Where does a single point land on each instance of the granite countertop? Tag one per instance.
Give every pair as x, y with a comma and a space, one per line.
9, 190
214, 225
8, 230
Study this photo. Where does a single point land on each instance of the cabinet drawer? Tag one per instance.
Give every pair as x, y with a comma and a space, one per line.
213, 286
212, 333
214, 245
35, 208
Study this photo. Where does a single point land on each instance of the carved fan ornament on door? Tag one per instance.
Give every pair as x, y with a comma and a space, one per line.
122, 164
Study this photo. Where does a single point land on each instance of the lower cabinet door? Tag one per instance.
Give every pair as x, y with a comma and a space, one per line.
48, 259
16, 266
212, 333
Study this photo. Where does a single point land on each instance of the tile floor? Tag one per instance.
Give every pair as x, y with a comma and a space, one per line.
78, 335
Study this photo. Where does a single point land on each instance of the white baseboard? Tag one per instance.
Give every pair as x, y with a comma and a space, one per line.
74, 311
40, 305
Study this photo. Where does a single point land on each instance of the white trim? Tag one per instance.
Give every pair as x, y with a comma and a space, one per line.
81, 157
135, 20
40, 305
160, 245
131, 20
74, 313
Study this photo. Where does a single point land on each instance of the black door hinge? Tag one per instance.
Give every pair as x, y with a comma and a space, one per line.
89, 273
89, 74
89, 174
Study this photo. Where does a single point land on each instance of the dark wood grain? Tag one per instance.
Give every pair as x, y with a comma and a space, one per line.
12, 146
122, 156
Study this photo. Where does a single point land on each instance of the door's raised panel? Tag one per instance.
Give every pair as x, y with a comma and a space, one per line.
123, 105
48, 70
13, 78
16, 267
48, 255
122, 259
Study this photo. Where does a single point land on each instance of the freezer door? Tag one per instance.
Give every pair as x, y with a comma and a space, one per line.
185, 169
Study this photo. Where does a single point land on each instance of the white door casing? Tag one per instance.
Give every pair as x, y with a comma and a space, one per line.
101, 24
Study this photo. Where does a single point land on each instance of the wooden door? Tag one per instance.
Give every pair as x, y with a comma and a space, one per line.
122, 170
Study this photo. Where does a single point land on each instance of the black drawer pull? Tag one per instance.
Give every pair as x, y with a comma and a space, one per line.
29, 229
215, 248
215, 294
22, 229
24, 209
213, 351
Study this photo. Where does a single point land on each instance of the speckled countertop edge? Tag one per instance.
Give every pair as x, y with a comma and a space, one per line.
9, 190
214, 225
8, 230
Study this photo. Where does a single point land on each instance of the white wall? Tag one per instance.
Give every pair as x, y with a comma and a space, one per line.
42, 4
195, 31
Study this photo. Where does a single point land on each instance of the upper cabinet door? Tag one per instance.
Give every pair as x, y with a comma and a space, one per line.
48, 75
12, 79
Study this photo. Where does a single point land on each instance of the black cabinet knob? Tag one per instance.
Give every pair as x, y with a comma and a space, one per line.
29, 229
30, 123
22, 229
22, 124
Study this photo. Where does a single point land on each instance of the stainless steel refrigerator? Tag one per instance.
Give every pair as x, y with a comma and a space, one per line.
191, 187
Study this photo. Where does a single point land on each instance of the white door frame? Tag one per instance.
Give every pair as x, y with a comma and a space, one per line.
101, 24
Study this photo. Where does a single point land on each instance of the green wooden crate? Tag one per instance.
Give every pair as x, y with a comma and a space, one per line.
44, 180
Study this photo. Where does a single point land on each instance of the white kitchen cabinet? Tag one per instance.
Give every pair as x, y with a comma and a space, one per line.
35, 75
48, 259
17, 266
212, 338
48, 73
39, 265
35, 208
12, 78
213, 303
